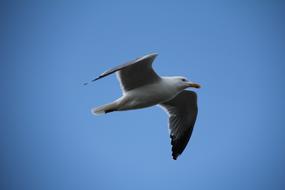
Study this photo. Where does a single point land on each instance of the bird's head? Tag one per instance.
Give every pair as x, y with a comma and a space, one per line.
183, 83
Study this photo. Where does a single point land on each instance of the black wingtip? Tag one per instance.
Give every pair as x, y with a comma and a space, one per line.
96, 78
174, 154
92, 80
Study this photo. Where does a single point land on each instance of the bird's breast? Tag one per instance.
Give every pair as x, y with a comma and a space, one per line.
147, 96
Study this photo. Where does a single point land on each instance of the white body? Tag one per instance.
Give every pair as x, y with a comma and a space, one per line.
148, 95
144, 96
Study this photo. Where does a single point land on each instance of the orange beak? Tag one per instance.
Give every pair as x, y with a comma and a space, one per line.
193, 85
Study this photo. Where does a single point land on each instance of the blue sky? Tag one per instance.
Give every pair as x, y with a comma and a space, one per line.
50, 140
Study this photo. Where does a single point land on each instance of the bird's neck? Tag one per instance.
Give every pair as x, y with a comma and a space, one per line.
170, 83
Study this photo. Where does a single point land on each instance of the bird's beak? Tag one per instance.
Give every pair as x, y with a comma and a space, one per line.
193, 85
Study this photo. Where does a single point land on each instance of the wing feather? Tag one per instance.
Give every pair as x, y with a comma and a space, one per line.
182, 112
135, 73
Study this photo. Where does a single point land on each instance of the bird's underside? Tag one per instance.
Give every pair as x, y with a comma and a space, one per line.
182, 108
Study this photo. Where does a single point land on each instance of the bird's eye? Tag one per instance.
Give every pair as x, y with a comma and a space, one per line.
184, 80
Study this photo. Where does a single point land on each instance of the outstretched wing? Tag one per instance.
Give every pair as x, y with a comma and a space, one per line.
182, 112
134, 74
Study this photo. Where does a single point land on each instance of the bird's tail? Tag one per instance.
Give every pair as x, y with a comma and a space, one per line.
105, 108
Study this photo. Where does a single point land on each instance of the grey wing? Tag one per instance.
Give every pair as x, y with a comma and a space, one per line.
182, 112
135, 73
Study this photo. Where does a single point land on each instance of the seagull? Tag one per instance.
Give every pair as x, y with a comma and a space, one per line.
142, 87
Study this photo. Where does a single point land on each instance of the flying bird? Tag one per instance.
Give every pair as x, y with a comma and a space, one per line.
142, 87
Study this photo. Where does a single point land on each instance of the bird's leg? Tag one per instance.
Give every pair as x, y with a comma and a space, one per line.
111, 110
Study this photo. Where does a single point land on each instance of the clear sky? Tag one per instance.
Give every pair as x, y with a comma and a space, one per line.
50, 140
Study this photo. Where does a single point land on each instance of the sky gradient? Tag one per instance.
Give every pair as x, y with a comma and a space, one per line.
50, 140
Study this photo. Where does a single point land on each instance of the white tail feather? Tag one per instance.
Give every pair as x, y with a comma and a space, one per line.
103, 109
